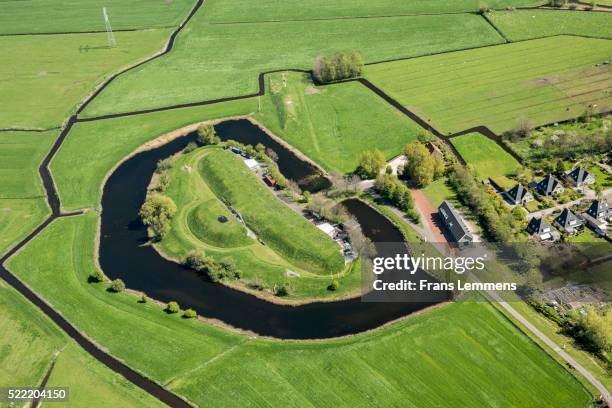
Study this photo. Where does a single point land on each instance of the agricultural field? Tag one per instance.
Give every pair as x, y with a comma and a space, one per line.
196, 227
59, 16
526, 24
496, 86
212, 61
328, 124
486, 157
50, 74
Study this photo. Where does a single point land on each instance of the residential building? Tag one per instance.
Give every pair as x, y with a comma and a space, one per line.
601, 210
540, 229
549, 186
580, 177
569, 222
519, 195
434, 150
454, 223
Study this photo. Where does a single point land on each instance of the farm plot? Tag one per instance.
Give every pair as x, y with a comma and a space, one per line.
211, 61
495, 86
333, 124
226, 11
485, 156
50, 74
526, 24
44, 16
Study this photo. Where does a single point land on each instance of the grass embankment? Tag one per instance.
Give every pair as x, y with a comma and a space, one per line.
196, 226
22, 201
526, 24
333, 124
50, 74
225, 11
78, 177
485, 156
43, 16
480, 349
278, 226
219, 60
28, 345
495, 86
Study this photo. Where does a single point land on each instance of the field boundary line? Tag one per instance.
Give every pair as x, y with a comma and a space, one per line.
123, 30
496, 28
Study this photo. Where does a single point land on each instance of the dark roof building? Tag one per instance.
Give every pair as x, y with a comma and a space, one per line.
600, 210
568, 221
519, 194
453, 223
540, 228
549, 185
579, 176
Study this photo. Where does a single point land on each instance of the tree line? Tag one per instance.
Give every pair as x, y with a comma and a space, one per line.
338, 66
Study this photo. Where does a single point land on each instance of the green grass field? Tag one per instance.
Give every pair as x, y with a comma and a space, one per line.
480, 349
485, 156
29, 344
51, 74
495, 86
526, 24
289, 234
333, 124
226, 11
219, 60
438, 191
45, 16
196, 227
78, 178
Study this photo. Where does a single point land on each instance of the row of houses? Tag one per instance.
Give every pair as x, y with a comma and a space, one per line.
597, 217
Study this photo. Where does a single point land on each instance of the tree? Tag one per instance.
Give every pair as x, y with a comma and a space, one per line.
117, 286
334, 285
361, 244
420, 166
560, 167
283, 290
329, 68
370, 163
173, 307
156, 213
190, 314
306, 195
438, 167
144, 298
389, 169
228, 267
259, 148
594, 329
272, 154
207, 135
97, 276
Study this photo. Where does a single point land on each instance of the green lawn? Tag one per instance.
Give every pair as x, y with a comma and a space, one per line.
526, 24
196, 227
19, 217
405, 363
28, 345
226, 11
328, 123
438, 191
50, 74
218, 60
286, 232
78, 177
485, 156
48, 16
495, 86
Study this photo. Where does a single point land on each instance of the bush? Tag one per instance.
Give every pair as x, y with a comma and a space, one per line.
207, 135
117, 286
163, 165
190, 314
336, 67
370, 163
191, 146
283, 290
391, 188
173, 307
97, 276
144, 299
334, 285
156, 213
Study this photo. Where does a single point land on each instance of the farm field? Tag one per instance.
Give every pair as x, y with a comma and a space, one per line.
44, 16
328, 124
272, 221
81, 189
50, 74
494, 86
196, 227
162, 346
29, 343
525, 24
211, 61
485, 156
18, 217
225, 11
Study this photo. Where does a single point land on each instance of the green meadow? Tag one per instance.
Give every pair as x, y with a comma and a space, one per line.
30, 342
485, 156
405, 363
51, 74
496, 86
525, 24
332, 124
51, 16
220, 60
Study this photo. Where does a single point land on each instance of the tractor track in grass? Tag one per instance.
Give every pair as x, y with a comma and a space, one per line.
53, 199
